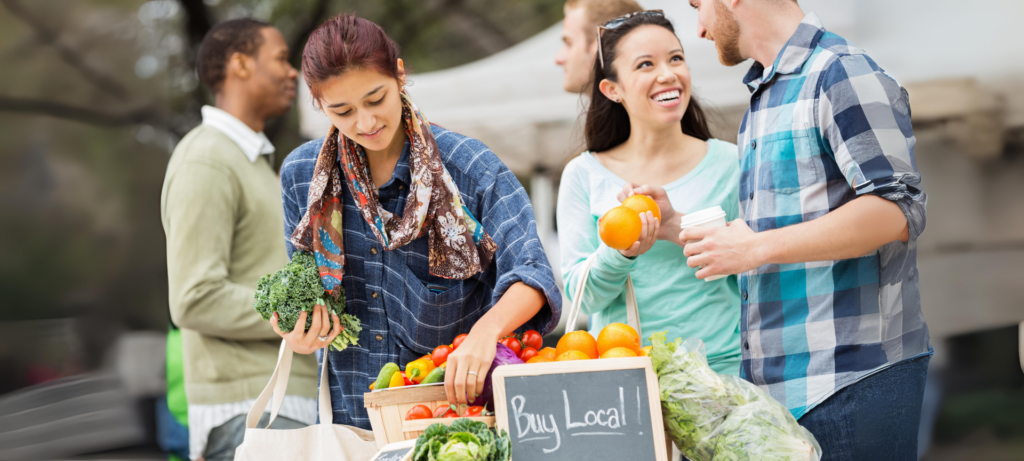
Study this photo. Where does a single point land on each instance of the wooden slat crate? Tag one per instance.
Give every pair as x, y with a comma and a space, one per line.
387, 409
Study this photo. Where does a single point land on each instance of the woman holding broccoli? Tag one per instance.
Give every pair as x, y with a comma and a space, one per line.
425, 230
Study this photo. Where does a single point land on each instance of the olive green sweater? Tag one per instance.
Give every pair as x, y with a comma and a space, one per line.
222, 217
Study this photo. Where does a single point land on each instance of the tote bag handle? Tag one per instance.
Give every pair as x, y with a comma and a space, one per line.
279, 384
632, 313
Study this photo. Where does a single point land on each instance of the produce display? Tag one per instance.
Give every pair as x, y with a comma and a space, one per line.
721, 417
297, 288
464, 440
431, 368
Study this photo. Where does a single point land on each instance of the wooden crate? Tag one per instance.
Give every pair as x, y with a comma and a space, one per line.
387, 409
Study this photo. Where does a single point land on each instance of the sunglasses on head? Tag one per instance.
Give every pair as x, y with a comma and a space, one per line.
617, 22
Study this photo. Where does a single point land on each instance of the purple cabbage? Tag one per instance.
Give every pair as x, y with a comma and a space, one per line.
503, 356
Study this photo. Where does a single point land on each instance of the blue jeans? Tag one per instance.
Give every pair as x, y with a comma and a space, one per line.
876, 418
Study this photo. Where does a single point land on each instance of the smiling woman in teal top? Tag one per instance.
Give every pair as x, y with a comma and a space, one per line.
643, 127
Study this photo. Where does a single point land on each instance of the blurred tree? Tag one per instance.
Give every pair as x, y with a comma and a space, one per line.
93, 97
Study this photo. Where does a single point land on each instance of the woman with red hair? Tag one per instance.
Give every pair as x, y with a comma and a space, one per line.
427, 232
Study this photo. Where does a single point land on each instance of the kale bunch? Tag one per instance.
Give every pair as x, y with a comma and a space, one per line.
296, 288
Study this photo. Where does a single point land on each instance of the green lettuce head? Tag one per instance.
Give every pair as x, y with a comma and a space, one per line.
461, 446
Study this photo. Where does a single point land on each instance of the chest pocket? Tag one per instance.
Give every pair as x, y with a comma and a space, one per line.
789, 160
418, 262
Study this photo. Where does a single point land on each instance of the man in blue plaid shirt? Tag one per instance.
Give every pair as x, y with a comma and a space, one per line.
826, 248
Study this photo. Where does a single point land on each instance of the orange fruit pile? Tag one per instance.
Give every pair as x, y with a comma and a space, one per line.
573, 355
618, 352
615, 340
619, 227
580, 341
618, 335
548, 352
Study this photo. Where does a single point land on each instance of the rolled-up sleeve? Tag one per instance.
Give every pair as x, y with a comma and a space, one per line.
507, 215
865, 117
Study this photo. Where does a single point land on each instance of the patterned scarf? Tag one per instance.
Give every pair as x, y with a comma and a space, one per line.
434, 208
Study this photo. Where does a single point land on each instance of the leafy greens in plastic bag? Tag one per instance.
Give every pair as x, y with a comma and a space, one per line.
711, 416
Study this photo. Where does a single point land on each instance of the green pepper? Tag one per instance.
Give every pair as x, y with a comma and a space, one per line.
435, 376
384, 377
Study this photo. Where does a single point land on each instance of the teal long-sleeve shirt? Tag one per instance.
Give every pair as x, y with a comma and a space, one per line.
669, 295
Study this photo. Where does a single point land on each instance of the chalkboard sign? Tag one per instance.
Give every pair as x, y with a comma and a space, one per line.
398, 451
587, 409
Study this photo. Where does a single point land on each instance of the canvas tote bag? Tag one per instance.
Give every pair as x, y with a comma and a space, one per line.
632, 314
319, 442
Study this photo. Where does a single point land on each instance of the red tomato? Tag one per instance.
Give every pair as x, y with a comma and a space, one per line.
514, 344
419, 412
527, 354
440, 354
458, 340
444, 411
473, 411
533, 339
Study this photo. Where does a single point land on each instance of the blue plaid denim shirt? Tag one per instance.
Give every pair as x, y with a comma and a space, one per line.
405, 311
825, 125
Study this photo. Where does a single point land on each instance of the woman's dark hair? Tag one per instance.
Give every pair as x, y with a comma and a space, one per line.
607, 122
346, 42
241, 35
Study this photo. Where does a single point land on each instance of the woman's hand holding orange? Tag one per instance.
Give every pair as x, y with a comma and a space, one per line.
648, 235
668, 227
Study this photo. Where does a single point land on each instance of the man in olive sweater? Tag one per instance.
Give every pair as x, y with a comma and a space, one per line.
221, 212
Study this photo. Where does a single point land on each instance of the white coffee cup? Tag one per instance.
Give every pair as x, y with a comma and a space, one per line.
709, 217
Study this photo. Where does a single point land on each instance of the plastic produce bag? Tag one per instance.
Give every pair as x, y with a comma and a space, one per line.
715, 417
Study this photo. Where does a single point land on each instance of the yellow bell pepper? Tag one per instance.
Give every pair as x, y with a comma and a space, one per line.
397, 380
424, 365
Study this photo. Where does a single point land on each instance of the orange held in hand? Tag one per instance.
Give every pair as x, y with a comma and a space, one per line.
580, 341
618, 335
617, 352
573, 355
643, 204
619, 227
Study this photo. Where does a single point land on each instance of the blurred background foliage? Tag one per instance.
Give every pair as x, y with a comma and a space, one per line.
95, 93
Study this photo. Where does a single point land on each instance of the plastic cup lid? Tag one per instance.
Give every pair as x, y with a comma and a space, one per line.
701, 217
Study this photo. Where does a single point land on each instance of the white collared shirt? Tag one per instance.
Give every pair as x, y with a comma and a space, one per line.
253, 144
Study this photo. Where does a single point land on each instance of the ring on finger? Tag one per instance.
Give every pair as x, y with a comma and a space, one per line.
321, 338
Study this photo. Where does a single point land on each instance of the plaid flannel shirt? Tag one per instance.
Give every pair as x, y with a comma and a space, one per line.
405, 311
825, 125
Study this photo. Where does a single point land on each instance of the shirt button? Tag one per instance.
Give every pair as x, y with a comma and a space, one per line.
746, 345
375, 295
373, 250
744, 295
751, 196
753, 144
400, 187
380, 338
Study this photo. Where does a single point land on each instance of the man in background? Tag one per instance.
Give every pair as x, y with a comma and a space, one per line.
222, 215
832, 208
579, 38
